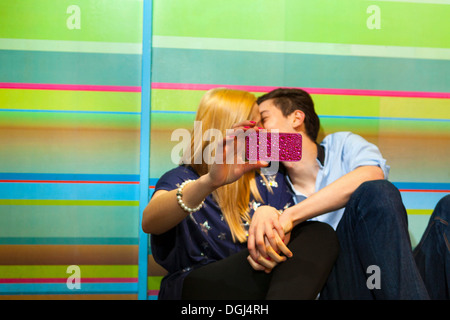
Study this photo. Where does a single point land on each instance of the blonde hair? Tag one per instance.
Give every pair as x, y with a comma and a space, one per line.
219, 109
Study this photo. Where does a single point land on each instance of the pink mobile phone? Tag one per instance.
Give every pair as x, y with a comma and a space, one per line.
267, 146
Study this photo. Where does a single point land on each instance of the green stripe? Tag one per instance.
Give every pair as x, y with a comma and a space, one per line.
70, 46
34, 219
329, 21
419, 1
387, 128
70, 100
426, 212
153, 283
299, 70
58, 271
108, 21
300, 47
79, 121
416, 227
176, 100
382, 127
70, 68
188, 100
415, 108
339, 105
114, 203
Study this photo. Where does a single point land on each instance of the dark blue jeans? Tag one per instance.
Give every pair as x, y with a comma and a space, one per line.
376, 259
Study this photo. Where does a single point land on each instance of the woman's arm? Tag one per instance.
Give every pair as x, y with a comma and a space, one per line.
163, 211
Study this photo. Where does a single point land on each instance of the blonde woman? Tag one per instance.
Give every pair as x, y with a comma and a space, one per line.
199, 216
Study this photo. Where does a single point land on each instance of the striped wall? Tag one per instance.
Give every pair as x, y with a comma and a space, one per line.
70, 114
387, 79
70, 106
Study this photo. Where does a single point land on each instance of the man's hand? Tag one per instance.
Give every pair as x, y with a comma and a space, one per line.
267, 239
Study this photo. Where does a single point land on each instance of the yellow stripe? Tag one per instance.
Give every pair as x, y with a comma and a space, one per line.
70, 100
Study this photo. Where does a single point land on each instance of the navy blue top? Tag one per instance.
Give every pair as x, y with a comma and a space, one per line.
204, 236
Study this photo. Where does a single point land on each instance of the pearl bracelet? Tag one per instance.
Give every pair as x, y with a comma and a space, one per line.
180, 201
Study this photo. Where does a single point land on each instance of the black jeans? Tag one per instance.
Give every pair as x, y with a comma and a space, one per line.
315, 248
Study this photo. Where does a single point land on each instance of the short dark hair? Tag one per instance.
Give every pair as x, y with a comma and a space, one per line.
289, 100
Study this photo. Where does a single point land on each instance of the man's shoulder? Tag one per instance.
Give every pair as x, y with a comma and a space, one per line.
338, 142
337, 136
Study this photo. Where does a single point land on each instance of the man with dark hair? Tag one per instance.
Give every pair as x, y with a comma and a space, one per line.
289, 100
343, 181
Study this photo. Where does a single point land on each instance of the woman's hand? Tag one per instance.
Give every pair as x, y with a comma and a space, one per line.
267, 237
228, 166
267, 264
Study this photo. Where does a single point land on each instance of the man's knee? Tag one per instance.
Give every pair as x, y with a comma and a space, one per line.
442, 209
377, 189
374, 197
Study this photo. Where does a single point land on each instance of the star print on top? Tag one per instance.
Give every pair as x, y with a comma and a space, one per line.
204, 236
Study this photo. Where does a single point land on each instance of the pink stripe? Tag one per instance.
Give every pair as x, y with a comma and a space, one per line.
349, 92
64, 280
152, 292
423, 190
68, 181
74, 87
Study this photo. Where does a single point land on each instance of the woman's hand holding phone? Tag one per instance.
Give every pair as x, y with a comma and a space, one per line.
223, 171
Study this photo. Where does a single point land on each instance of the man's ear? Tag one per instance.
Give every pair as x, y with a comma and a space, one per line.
298, 118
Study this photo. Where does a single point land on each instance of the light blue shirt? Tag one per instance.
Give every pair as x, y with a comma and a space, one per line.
344, 152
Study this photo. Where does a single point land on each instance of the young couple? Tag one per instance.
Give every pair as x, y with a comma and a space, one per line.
320, 225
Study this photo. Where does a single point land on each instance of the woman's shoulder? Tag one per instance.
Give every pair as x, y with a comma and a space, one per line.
181, 170
176, 176
274, 190
271, 180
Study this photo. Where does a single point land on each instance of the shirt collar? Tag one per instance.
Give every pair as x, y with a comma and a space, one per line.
321, 154
298, 196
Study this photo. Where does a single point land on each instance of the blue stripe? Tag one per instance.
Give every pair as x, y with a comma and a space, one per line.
422, 185
70, 68
411, 200
300, 70
67, 191
69, 176
70, 111
173, 112
399, 185
68, 241
381, 118
146, 74
325, 116
422, 200
61, 288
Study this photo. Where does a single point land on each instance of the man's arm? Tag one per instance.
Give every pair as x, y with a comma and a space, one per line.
333, 197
